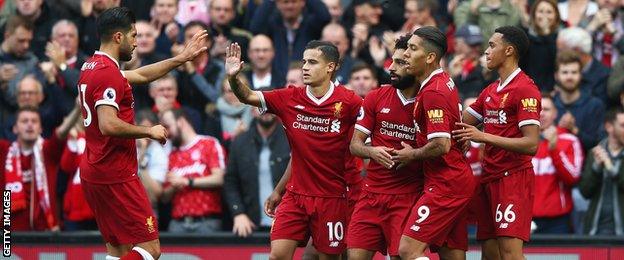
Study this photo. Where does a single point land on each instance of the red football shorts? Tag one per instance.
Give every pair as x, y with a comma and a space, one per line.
508, 204
378, 220
353, 195
439, 221
299, 216
122, 211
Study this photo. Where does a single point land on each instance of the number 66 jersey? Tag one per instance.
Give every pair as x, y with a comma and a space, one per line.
107, 159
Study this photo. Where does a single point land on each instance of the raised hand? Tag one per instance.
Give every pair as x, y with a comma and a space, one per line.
233, 63
195, 46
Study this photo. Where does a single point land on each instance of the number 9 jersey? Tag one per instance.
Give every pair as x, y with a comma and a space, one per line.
107, 159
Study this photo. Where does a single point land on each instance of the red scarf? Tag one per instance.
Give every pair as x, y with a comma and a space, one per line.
15, 181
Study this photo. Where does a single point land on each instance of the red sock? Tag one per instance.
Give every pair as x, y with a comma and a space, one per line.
132, 255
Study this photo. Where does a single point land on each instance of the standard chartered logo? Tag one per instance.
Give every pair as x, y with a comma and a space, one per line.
335, 126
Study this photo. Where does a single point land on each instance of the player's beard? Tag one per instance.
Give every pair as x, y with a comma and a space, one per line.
176, 141
125, 53
404, 82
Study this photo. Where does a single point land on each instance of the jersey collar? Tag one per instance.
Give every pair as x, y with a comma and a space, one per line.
509, 79
404, 100
433, 73
106, 54
318, 101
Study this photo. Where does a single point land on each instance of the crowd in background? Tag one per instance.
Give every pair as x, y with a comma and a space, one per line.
224, 158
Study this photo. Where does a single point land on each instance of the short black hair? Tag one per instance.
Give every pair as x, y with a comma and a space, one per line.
329, 50
516, 37
113, 20
613, 113
401, 42
359, 66
434, 40
196, 23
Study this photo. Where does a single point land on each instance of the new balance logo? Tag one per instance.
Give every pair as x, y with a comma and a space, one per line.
385, 110
334, 244
299, 107
415, 228
504, 225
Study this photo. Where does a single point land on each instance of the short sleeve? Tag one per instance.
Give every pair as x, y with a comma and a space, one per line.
356, 106
273, 101
438, 114
214, 151
476, 108
366, 115
528, 105
110, 90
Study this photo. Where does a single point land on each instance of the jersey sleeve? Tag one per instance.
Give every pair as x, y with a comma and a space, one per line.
109, 90
476, 109
215, 154
366, 115
529, 106
438, 114
273, 101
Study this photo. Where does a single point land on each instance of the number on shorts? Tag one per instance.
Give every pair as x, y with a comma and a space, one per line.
336, 230
83, 90
423, 213
509, 215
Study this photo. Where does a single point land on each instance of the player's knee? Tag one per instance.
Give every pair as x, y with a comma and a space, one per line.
405, 251
278, 255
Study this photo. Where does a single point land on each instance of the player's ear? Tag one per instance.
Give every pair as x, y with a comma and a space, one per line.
118, 37
509, 50
431, 57
331, 67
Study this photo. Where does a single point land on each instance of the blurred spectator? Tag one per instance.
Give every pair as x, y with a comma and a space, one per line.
195, 178
41, 16
606, 28
574, 11
602, 180
16, 59
363, 79
235, 116
261, 55
544, 25
615, 83
77, 214
420, 13
595, 74
30, 171
368, 13
164, 92
290, 28
336, 34
258, 159
464, 68
163, 19
221, 17
63, 53
153, 160
91, 9
487, 14
335, 9
30, 93
557, 164
295, 74
193, 10
200, 82
578, 112
144, 54
140, 8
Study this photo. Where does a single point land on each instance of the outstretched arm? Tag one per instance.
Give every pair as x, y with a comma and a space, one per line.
154, 71
233, 66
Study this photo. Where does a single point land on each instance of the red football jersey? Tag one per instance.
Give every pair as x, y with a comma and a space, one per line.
504, 109
386, 117
193, 160
107, 159
436, 111
318, 131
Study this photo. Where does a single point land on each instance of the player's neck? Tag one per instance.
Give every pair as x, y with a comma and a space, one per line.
427, 73
506, 69
409, 92
320, 89
111, 50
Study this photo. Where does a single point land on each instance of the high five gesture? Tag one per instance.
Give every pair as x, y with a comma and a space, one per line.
233, 66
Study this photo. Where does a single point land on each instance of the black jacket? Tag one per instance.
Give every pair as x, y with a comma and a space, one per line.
278, 80
595, 79
241, 189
